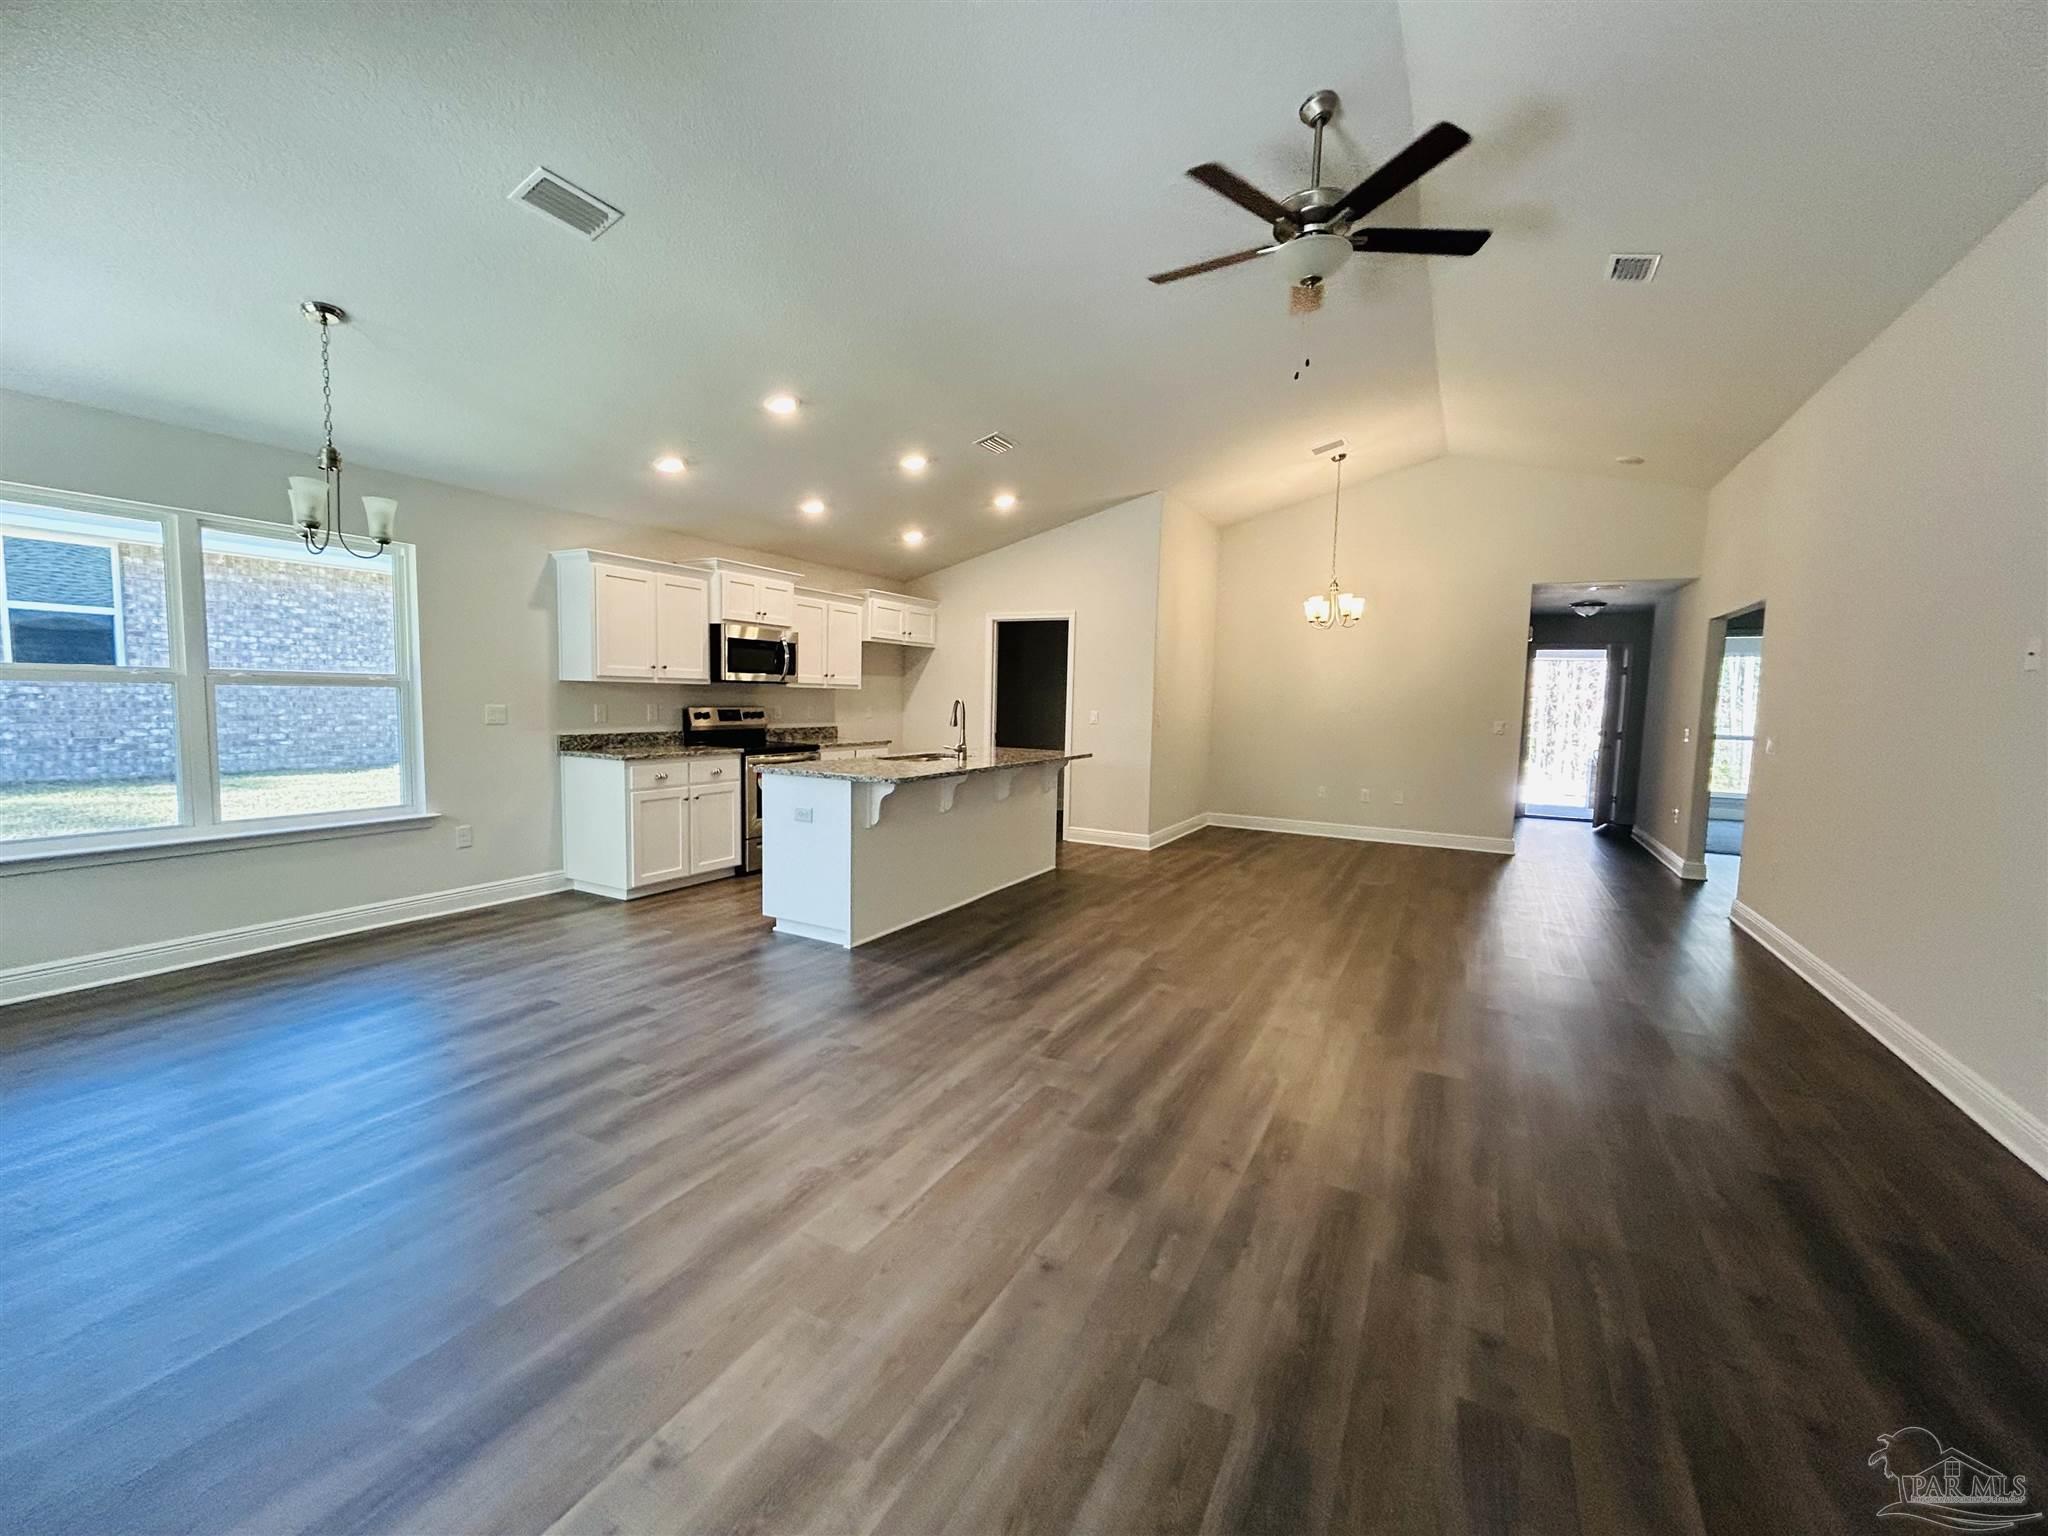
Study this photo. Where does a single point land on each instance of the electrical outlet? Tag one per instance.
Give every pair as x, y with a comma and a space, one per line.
1674, 815
1095, 717
1500, 727
652, 714
495, 714
803, 813
1322, 791
1400, 797
1365, 797
1688, 734
597, 714
464, 837
1770, 746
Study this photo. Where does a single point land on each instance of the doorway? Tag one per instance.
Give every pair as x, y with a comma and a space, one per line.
1565, 734
1030, 691
1731, 744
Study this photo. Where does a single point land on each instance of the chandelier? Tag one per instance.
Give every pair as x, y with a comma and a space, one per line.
1334, 606
316, 504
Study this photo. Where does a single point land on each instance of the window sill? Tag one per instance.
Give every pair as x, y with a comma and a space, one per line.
214, 840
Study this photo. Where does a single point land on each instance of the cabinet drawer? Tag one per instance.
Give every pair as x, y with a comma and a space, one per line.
658, 773
715, 770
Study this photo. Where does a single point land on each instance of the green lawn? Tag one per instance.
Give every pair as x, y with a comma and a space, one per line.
57, 810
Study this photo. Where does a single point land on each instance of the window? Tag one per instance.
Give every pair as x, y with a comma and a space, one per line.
171, 676
1742, 669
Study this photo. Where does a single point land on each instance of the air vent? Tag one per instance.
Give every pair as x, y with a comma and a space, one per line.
1324, 450
566, 203
1632, 269
995, 442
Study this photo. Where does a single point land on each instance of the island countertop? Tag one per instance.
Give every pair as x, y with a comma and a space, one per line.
883, 770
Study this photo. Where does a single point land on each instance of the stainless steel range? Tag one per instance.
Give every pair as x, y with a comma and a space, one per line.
745, 727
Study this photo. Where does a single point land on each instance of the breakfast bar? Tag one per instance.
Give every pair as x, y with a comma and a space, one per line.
856, 850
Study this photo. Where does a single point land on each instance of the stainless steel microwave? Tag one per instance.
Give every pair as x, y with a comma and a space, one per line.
752, 653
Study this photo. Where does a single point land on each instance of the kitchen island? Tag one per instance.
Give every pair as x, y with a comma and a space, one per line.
855, 850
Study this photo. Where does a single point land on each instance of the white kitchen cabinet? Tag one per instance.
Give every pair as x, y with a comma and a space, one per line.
752, 594
892, 618
621, 618
631, 829
828, 636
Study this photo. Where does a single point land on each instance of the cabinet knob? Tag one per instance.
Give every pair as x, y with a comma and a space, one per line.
717, 773
659, 777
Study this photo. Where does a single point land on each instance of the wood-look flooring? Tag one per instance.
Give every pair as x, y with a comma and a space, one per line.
1256, 1184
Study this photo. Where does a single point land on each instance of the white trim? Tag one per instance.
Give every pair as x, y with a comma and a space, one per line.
1144, 842
22, 982
137, 847
1349, 832
1685, 869
2021, 1133
1177, 831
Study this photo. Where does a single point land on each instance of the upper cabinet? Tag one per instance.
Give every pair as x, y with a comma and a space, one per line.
621, 618
828, 634
752, 594
896, 619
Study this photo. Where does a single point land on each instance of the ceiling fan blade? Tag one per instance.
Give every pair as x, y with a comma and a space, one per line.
1210, 265
1241, 192
1408, 167
1421, 242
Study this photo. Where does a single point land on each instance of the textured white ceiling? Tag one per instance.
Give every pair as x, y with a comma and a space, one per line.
933, 222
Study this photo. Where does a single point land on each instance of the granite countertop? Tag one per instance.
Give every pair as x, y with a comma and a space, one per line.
635, 746
879, 770
815, 736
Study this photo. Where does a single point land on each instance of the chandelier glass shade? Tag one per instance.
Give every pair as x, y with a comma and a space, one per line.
1334, 606
316, 503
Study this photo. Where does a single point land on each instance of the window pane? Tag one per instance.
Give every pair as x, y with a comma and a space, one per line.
1729, 774
84, 560
301, 749
86, 757
69, 639
272, 607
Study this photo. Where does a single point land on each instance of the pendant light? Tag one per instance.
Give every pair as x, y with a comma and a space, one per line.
1334, 606
316, 504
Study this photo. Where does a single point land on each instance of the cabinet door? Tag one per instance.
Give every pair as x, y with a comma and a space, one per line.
778, 602
813, 642
739, 599
622, 601
714, 827
920, 626
885, 620
842, 645
661, 834
682, 624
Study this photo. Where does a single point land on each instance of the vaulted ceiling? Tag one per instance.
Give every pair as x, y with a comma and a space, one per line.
934, 222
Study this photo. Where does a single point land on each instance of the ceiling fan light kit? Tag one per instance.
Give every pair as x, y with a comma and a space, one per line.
1313, 230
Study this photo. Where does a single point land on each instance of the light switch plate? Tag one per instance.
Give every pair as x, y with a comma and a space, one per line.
495, 714
803, 813
1500, 727
597, 714
464, 837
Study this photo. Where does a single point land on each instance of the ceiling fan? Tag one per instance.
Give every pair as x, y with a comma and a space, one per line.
1313, 229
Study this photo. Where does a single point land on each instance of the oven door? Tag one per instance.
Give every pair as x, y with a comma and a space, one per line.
754, 653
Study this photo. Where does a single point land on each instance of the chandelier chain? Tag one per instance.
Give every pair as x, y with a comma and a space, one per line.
327, 388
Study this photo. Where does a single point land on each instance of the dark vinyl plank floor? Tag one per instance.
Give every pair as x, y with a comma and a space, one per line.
1256, 1184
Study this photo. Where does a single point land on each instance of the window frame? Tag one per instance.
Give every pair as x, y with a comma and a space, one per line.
193, 681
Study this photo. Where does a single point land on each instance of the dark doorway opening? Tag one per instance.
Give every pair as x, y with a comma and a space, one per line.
1028, 688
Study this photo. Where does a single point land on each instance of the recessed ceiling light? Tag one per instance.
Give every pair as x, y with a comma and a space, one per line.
1628, 458
780, 405
913, 536
669, 464
1005, 500
812, 507
913, 463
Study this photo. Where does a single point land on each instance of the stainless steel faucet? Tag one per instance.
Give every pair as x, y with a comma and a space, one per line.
960, 719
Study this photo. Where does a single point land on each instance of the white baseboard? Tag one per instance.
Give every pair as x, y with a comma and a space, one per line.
1352, 833
1103, 837
1685, 869
23, 982
1178, 830
2023, 1134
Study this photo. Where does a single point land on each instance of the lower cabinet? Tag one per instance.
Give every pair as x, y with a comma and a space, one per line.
632, 828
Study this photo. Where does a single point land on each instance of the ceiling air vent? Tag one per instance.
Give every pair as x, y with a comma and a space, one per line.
1632, 269
565, 203
995, 442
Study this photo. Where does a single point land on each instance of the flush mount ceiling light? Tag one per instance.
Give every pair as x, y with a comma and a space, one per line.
811, 506
913, 537
1004, 501
316, 504
669, 464
1586, 607
780, 405
913, 463
1334, 606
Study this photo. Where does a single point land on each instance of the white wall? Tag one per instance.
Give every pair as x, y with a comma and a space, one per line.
1897, 528
1183, 676
1104, 570
487, 635
1403, 705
